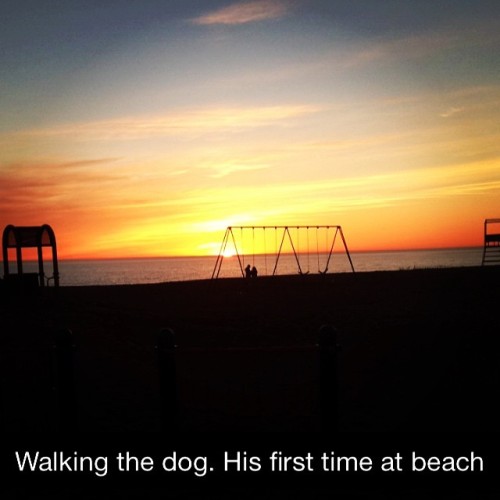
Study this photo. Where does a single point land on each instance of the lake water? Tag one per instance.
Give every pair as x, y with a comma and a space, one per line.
132, 271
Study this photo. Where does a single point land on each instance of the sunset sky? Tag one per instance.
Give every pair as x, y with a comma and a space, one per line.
144, 128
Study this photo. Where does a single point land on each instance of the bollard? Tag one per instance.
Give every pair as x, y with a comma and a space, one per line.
165, 349
328, 378
64, 380
2, 410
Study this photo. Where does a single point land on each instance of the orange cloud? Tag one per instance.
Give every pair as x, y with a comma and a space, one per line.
31, 184
99, 210
244, 12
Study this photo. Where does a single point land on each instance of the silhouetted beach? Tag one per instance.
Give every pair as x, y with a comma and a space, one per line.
418, 352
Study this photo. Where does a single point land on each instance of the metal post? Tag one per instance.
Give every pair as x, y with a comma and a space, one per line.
279, 251
55, 264
165, 349
293, 249
19, 257
41, 272
236, 252
331, 248
328, 378
64, 380
346, 249
2, 404
218, 262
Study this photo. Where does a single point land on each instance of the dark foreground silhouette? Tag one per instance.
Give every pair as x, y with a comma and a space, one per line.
419, 352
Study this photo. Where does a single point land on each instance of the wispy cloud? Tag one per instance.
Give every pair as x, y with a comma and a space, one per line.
224, 168
45, 173
244, 12
451, 111
409, 47
368, 191
30, 186
178, 123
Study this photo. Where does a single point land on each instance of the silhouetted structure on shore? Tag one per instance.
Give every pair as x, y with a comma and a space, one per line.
281, 235
19, 237
491, 249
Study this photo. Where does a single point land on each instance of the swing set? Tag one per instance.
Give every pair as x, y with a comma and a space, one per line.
306, 243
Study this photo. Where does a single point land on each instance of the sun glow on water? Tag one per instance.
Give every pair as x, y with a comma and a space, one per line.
134, 271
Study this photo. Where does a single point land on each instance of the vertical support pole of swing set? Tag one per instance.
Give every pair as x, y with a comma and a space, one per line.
338, 229
346, 249
293, 248
237, 254
220, 257
279, 251
285, 232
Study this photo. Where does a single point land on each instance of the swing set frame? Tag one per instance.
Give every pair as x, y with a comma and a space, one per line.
229, 236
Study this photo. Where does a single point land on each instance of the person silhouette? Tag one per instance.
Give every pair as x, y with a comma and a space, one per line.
253, 272
248, 272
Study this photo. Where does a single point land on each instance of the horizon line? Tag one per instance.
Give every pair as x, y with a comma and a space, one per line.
159, 257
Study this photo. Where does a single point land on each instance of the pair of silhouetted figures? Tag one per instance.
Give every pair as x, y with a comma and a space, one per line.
250, 272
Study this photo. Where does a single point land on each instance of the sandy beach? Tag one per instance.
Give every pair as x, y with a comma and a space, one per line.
418, 352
